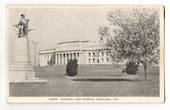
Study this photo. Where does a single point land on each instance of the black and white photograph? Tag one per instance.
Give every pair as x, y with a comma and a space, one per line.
85, 53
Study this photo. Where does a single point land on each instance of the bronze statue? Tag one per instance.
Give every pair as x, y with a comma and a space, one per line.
22, 26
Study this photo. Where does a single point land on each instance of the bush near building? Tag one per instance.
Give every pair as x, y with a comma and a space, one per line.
131, 68
71, 68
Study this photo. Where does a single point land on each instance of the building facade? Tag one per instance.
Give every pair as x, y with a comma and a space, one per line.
86, 52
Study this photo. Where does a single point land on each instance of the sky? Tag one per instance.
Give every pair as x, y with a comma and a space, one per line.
57, 24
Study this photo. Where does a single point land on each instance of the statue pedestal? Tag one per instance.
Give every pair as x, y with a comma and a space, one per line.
21, 70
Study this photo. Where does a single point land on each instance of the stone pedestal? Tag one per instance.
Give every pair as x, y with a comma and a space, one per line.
21, 69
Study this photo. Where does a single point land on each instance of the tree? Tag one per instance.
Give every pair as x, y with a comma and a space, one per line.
134, 35
71, 68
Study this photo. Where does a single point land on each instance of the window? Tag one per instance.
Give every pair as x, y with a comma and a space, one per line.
98, 54
89, 60
102, 54
93, 60
101, 38
89, 54
98, 60
102, 60
93, 54
107, 59
107, 53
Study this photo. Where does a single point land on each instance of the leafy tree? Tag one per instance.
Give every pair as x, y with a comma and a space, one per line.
133, 35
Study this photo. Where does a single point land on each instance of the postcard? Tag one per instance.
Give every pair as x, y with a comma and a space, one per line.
85, 53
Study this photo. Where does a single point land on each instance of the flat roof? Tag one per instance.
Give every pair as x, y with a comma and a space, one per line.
73, 41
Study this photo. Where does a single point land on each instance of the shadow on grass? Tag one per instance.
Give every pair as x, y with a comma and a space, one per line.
105, 80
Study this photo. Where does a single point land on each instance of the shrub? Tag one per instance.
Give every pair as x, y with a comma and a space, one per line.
71, 68
131, 68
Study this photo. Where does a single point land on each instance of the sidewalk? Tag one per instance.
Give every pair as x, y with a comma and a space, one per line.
107, 78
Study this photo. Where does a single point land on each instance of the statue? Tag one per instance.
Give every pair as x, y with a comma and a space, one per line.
21, 69
22, 26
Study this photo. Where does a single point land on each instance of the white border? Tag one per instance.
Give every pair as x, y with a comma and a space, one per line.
5, 106
94, 100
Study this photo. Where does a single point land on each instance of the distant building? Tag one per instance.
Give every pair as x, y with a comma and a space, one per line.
86, 52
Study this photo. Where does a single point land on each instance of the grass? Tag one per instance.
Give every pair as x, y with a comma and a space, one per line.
92, 80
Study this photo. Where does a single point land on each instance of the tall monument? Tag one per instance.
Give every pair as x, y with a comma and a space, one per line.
21, 69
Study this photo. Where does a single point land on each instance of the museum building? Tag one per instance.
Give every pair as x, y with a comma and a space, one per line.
86, 52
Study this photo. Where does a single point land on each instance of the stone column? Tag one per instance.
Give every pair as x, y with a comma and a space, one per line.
68, 56
21, 69
80, 58
59, 57
62, 59
56, 59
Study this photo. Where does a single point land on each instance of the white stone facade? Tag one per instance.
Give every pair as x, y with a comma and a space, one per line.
86, 52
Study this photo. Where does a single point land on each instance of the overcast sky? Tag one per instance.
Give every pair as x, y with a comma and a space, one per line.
54, 25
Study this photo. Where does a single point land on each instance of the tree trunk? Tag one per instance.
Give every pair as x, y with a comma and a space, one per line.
145, 72
145, 68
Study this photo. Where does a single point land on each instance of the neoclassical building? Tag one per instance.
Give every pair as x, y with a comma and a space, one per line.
86, 52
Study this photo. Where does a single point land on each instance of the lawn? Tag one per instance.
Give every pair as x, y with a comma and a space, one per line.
92, 80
